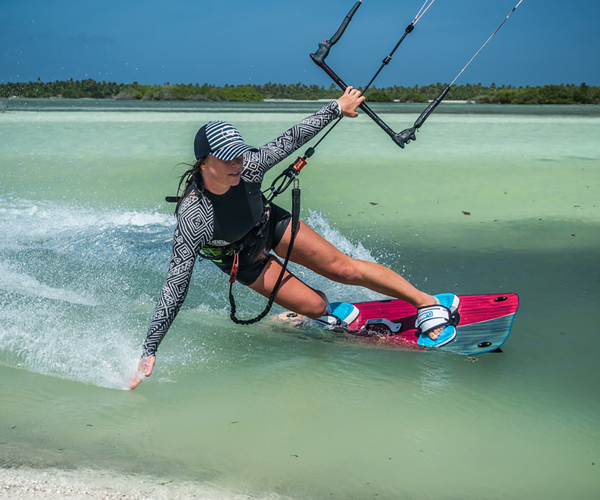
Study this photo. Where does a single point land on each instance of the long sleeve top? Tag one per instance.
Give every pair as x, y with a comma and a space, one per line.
196, 220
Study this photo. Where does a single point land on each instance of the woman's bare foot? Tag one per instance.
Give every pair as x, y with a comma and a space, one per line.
434, 334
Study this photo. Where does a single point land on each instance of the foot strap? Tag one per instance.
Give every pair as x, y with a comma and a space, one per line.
339, 314
431, 317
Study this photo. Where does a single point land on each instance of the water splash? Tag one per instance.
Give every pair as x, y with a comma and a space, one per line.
22, 283
70, 289
337, 291
47, 341
85, 233
78, 286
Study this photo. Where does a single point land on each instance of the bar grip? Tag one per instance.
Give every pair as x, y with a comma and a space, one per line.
323, 51
429, 109
340, 31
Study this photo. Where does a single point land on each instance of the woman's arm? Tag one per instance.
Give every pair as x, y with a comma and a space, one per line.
257, 163
194, 229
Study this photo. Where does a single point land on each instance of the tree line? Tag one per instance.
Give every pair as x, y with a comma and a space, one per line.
505, 94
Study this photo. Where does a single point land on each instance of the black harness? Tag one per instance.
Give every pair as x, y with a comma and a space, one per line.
217, 252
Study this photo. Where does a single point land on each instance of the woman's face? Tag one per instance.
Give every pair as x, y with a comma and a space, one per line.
220, 175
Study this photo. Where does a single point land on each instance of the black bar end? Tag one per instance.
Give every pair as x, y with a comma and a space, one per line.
405, 137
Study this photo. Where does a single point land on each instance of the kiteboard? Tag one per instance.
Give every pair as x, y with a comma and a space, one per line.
485, 323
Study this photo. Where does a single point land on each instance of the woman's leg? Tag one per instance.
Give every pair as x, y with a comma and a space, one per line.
293, 294
314, 252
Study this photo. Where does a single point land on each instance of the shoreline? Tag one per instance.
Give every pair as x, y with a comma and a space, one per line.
492, 94
15, 97
396, 101
371, 102
5, 107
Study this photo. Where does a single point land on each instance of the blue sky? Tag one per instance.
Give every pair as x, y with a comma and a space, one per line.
242, 41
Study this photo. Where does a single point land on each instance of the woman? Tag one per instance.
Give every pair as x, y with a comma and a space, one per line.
223, 206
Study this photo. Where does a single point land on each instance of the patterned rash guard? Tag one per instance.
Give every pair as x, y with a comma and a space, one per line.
196, 220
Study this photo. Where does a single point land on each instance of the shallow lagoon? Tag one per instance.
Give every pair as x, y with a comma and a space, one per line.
265, 412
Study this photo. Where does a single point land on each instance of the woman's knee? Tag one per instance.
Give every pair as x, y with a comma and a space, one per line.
316, 306
302, 299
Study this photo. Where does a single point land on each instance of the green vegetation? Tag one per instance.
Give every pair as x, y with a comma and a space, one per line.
506, 94
75, 89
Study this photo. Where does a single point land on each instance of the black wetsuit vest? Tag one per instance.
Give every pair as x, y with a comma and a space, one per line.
239, 215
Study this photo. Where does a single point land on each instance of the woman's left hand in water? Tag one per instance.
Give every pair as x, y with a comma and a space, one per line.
144, 370
351, 100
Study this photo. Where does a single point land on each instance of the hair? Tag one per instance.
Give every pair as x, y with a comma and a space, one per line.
195, 171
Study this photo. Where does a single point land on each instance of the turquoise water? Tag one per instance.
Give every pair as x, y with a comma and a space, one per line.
488, 199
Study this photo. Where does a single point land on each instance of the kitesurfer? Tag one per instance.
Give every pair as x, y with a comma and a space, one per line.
222, 215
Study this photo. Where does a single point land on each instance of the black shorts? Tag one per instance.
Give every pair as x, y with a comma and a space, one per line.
254, 257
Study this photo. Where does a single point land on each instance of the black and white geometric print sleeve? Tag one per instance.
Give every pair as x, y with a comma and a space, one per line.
195, 225
256, 164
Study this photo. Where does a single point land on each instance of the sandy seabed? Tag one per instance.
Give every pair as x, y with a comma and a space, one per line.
52, 483
85, 484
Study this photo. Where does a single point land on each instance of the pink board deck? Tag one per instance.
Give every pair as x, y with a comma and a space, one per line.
485, 323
